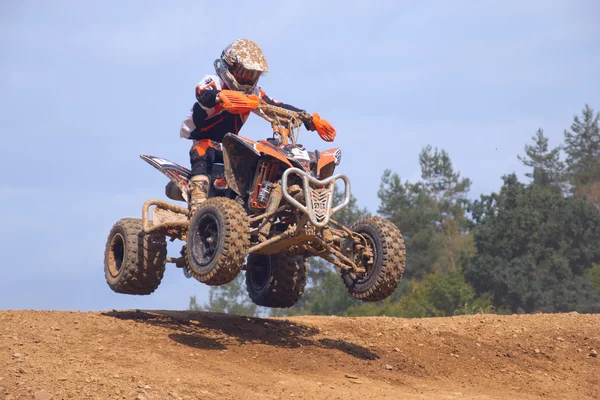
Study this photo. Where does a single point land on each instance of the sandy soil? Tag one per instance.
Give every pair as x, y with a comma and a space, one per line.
192, 355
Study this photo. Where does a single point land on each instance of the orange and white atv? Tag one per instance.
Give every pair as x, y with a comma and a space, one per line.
274, 211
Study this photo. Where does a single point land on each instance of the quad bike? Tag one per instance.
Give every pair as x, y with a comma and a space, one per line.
270, 208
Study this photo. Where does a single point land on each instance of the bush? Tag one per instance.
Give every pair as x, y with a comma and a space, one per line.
434, 296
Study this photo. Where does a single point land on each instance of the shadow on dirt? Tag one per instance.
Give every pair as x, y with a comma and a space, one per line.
211, 331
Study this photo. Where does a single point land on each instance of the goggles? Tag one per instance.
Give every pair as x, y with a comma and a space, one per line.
244, 76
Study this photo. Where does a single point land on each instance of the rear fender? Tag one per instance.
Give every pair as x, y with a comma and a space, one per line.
179, 175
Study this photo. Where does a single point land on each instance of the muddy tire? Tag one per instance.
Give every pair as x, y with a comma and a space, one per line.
134, 263
276, 280
218, 241
383, 276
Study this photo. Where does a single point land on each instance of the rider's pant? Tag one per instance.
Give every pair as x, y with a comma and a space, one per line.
203, 154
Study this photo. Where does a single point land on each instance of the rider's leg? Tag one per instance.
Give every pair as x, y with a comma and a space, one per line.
202, 156
221, 182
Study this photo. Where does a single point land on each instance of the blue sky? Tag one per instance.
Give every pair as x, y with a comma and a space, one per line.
86, 87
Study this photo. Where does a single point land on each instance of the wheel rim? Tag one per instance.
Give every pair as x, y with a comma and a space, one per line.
116, 255
260, 271
206, 240
368, 263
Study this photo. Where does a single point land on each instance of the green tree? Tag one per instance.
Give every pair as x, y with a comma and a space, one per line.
533, 248
547, 170
194, 306
593, 275
409, 207
582, 145
431, 214
445, 185
449, 193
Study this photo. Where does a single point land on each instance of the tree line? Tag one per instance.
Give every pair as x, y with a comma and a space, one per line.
530, 247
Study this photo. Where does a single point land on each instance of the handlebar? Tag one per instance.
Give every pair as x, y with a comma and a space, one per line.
283, 121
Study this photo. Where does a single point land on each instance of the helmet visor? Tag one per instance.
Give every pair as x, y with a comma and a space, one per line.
244, 76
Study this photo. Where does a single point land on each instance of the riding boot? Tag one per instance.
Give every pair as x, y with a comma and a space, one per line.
198, 191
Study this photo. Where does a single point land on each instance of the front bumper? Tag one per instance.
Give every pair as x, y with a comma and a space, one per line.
318, 195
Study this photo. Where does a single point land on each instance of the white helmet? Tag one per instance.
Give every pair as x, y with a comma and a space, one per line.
241, 65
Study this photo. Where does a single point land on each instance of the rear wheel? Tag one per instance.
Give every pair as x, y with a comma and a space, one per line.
385, 268
276, 280
218, 241
134, 262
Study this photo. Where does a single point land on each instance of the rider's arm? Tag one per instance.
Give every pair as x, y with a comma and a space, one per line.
203, 110
273, 102
309, 126
206, 92
326, 131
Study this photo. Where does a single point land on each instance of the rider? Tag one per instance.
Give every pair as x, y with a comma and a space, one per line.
239, 68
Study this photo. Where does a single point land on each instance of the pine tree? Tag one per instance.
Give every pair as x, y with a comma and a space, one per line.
582, 145
445, 186
449, 193
430, 214
547, 169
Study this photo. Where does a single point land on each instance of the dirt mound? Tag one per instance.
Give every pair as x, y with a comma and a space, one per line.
191, 355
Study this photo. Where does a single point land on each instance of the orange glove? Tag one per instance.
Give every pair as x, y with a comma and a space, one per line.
325, 130
237, 102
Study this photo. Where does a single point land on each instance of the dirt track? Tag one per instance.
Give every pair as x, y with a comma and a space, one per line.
183, 355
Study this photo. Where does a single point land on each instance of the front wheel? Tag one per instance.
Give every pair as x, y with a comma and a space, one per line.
218, 241
385, 268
